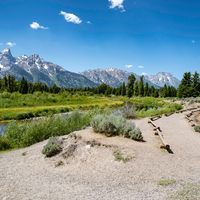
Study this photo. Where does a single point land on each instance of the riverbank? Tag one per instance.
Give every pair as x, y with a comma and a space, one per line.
93, 173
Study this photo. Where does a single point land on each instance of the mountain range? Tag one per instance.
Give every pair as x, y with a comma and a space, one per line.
35, 69
116, 77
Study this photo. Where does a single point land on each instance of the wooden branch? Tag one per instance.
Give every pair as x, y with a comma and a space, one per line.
180, 111
195, 110
168, 114
155, 126
191, 108
165, 144
155, 117
190, 120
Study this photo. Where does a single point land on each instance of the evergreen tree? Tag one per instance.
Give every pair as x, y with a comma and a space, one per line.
173, 92
169, 91
185, 88
130, 85
146, 89
123, 91
195, 84
152, 90
136, 88
165, 92
141, 86
23, 86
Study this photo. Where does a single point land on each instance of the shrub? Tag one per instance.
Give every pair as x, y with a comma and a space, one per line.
25, 115
129, 111
118, 156
28, 133
52, 147
115, 125
4, 144
197, 128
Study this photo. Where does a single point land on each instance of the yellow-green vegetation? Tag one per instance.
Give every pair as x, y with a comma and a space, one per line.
24, 153
59, 163
20, 106
118, 156
166, 182
191, 191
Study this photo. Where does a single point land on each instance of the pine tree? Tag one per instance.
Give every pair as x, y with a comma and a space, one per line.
195, 84
185, 88
123, 91
131, 80
141, 86
165, 93
146, 89
136, 88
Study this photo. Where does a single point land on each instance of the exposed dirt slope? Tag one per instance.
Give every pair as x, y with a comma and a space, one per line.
92, 173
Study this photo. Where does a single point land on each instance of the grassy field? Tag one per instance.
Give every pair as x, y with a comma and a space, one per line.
18, 106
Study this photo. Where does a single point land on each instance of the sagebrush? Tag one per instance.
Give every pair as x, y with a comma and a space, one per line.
115, 125
52, 147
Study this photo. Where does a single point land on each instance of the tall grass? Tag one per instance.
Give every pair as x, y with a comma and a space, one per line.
168, 108
19, 135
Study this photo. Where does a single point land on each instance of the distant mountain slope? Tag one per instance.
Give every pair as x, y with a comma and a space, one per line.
35, 69
163, 78
112, 77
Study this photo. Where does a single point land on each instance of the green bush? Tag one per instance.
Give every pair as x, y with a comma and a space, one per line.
28, 133
4, 144
25, 115
52, 147
115, 125
197, 128
44, 112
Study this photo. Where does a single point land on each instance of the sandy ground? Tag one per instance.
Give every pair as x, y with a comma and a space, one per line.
93, 173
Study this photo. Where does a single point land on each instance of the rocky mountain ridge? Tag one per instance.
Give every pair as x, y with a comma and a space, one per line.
163, 78
35, 69
112, 76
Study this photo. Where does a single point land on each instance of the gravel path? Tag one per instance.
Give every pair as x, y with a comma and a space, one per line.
94, 174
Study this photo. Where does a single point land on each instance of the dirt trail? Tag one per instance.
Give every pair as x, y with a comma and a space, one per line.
93, 174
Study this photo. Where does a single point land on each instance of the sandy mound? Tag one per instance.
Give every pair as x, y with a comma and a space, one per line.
93, 173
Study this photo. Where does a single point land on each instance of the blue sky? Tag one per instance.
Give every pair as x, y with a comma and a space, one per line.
140, 36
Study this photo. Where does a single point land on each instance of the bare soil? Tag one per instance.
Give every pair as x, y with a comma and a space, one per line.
93, 173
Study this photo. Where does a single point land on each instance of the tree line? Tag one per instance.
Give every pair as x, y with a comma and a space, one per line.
190, 86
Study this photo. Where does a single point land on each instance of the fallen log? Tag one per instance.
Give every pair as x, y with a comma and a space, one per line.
164, 145
155, 126
155, 117
180, 111
168, 114
191, 108
195, 111
190, 120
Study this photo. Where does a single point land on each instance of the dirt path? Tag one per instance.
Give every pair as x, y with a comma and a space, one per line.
94, 174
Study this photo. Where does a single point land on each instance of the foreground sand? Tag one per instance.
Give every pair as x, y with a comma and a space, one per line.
94, 174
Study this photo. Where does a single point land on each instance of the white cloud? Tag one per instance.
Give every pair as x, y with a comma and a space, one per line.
88, 22
11, 44
1, 44
129, 66
140, 67
35, 25
193, 41
117, 3
144, 74
69, 17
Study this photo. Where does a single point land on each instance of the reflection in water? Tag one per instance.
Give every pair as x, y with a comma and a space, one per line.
3, 128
